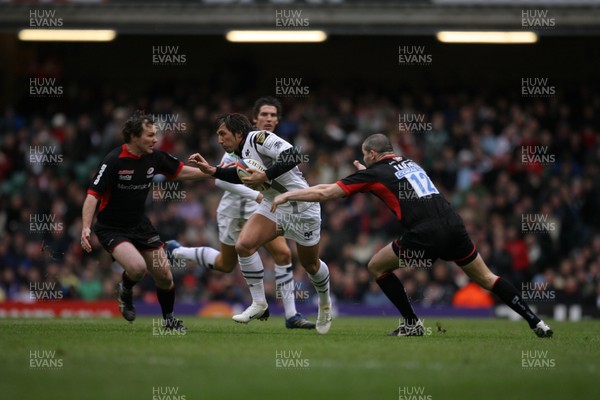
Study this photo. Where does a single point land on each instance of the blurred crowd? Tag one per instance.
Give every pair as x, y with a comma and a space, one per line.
522, 172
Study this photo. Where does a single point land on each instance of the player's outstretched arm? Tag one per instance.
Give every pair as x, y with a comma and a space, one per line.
87, 215
225, 174
191, 173
316, 193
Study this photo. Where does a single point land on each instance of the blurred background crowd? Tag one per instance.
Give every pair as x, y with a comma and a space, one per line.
522, 172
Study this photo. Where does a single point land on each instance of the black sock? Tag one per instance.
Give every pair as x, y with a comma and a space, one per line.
127, 282
166, 299
394, 290
509, 295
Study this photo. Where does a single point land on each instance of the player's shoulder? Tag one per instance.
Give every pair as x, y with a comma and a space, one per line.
259, 137
113, 156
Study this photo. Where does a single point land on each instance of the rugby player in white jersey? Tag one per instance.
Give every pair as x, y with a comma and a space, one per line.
297, 221
237, 204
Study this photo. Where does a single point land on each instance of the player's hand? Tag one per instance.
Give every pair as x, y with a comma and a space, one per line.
255, 178
358, 165
280, 199
202, 164
85, 239
259, 198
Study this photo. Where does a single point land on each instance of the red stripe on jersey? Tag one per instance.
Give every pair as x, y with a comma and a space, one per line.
125, 153
173, 176
389, 198
353, 188
94, 193
105, 199
378, 189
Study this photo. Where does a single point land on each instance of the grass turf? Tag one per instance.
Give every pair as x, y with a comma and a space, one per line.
218, 359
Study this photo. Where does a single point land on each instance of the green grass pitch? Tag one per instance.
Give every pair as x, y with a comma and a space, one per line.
218, 359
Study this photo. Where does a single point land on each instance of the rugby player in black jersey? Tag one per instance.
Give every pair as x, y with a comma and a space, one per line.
121, 186
431, 229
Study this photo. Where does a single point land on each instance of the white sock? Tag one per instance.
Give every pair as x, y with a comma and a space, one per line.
321, 282
254, 272
284, 281
204, 256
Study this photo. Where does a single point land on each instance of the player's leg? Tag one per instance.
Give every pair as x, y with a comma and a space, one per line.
224, 260
284, 281
318, 272
160, 269
134, 267
479, 272
256, 232
381, 266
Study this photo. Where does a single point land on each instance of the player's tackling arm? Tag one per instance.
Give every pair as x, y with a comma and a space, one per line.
190, 173
87, 216
318, 193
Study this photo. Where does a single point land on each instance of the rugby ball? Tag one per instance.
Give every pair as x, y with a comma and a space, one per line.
242, 166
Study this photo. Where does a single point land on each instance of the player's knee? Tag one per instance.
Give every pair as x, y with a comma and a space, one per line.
283, 257
244, 249
136, 271
312, 267
375, 269
226, 267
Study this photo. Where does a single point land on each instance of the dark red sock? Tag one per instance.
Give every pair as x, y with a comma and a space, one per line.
127, 283
166, 299
511, 297
394, 290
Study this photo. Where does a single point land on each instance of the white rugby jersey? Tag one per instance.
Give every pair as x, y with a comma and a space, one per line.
265, 146
234, 205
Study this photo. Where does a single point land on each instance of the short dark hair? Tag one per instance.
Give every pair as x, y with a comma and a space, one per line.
236, 123
266, 101
135, 125
379, 143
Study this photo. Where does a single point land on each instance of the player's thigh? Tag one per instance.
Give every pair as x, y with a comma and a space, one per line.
279, 250
158, 266
309, 257
229, 258
479, 272
257, 231
383, 261
130, 259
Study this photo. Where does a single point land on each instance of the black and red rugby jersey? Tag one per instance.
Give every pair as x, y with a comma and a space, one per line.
403, 186
123, 181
